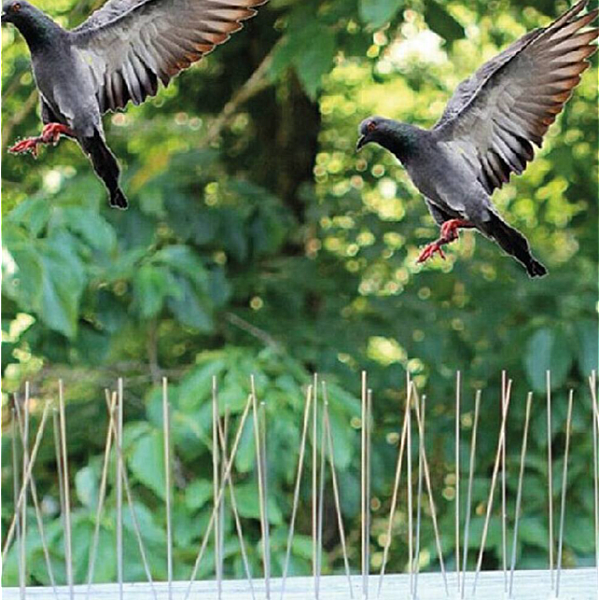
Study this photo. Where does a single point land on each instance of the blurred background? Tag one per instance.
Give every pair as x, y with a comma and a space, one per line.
257, 241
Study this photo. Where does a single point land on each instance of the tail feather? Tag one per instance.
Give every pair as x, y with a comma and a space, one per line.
514, 243
106, 167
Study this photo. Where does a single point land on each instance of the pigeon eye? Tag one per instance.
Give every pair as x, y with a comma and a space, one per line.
371, 127
16, 7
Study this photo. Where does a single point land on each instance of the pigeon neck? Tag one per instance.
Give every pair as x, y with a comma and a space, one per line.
39, 31
403, 140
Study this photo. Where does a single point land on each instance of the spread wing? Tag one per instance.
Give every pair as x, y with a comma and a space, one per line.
131, 44
494, 116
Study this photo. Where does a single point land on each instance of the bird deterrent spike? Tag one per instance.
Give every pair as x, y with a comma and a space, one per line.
563, 498
395, 490
490, 502
15, 466
321, 501
23, 544
470, 492
20, 498
213, 515
409, 493
168, 488
363, 485
261, 487
513, 559
503, 489
223, 436
436, 531
307, 413
336, 493
596, 435
128, 495
315, 499
38, 512
65, 474
368, 488
550, 485
111, 400
457, 478
215, 463
263, 457
419, 510
119, 486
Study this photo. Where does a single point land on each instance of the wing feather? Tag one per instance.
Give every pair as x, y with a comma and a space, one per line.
131, 44
496, 115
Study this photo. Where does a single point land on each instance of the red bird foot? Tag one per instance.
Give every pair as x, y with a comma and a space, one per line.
449, 229
430, 250
50, 135
52, 132
26, 145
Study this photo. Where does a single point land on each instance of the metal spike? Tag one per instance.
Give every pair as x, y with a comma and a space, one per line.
519, 494
419, 510
307, 407
168, 491
501, 437
563, 500
215, 462
457, 478
119, 486
470, 492
550, 484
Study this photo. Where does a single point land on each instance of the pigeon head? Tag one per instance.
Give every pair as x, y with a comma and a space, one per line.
379, 130
33, 24
16, 11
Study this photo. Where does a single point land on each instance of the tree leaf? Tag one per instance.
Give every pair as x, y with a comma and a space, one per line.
547, 349
378, 12
147, 462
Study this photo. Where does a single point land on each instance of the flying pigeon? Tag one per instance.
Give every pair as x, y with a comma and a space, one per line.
119, 54
487, 130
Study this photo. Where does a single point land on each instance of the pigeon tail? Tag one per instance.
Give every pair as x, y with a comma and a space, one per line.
106, 166
514, 243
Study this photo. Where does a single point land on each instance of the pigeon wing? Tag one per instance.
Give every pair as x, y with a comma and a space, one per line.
129, 45
496, 115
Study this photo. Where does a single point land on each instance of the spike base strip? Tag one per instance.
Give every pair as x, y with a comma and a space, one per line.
575, 583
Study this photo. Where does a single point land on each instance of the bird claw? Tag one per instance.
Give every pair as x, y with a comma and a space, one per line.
430, 250
52, 131
26, 145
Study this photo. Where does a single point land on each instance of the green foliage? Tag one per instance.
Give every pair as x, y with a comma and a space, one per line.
266, 246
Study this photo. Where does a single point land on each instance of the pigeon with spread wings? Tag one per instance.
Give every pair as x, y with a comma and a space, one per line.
488, 129
119, 54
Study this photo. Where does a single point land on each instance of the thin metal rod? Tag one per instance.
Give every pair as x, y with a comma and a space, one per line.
513, 559
264, 470
596, 435
23, 545
457, 479
215, 462
214, 512
315, 498
409, 493
224, 427
168, 489
65, 473
363, 486
470, 492
223, 442
61, 491
550, 484
503, 490
423, 453
111, 399
288, 551
38, 438
505, 405
368, 490
321, 500
119, 486
419, 510
136, 526
38, 512
15, 466
399, 463
336, 492
261, 490
563, 499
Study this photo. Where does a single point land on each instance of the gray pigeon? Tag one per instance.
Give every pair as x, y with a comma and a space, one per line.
487, 130
119, 54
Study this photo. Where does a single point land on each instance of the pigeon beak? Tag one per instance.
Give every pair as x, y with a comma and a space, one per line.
362, 140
